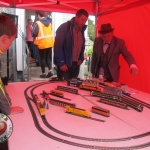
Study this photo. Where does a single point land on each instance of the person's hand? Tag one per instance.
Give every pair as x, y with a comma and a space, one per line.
16, 110
64, 68
79, 62
134, 71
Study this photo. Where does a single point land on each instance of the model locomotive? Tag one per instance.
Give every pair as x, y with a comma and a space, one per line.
100, 111
77, 111
39, 105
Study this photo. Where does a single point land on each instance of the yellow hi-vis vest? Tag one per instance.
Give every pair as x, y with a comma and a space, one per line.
44, 38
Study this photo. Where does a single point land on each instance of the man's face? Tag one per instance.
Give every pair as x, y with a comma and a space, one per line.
80, 21
107, 37
6, 42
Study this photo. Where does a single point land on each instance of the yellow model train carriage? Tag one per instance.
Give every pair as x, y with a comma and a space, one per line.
77, 111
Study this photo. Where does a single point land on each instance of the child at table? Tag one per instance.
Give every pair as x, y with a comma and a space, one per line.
8, 31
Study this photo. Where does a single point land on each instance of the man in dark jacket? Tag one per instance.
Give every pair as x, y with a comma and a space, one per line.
69, 46
106, 52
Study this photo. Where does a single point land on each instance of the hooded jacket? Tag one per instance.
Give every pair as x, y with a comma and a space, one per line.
42, 31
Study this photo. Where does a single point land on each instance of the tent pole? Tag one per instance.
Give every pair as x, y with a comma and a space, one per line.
96, 17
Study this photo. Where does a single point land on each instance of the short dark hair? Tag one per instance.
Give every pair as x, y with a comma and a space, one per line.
7, 26
29, 20
81, 12
41, 13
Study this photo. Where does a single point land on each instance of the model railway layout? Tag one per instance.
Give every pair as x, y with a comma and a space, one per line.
78, 144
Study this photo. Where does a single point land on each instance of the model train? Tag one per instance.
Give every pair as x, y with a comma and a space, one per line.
57, 93
77, 111
91, 88
66, 89
39, 105
74, 82
104, 95
100, 111
61, 103
113, 103
112, 90
117, 98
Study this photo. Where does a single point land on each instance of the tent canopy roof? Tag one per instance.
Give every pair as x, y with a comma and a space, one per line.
69, 6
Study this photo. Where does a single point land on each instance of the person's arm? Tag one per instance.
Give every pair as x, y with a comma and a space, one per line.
134, 69
4, 104
129, 59
59, 58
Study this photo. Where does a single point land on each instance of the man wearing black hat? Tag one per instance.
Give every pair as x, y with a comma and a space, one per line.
106, 51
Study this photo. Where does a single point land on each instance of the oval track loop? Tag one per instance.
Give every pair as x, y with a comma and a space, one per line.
36, 122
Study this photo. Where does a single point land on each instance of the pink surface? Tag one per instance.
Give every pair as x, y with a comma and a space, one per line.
121, 123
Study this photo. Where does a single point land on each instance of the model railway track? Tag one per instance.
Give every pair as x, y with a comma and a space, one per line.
132, 99
136, 100
36, 122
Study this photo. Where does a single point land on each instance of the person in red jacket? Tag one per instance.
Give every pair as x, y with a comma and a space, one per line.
29, 37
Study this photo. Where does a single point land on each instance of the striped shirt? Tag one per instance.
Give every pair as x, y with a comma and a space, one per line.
78, 42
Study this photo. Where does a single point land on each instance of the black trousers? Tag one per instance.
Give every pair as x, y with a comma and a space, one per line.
72, 72
45, 58
30, 46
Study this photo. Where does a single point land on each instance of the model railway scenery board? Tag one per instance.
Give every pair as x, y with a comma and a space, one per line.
50, 122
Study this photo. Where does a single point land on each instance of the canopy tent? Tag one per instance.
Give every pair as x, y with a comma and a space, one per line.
68, 6
130, 18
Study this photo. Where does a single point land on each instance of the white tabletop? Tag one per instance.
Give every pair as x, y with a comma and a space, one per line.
121, 123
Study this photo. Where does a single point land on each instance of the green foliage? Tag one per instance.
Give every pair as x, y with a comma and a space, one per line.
91, 29
90, 51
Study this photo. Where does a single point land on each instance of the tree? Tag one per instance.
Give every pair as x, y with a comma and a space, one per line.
91, 29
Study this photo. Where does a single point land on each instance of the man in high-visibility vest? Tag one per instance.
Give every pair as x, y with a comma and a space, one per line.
42, 33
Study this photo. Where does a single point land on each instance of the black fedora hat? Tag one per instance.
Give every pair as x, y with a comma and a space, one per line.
105, 28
